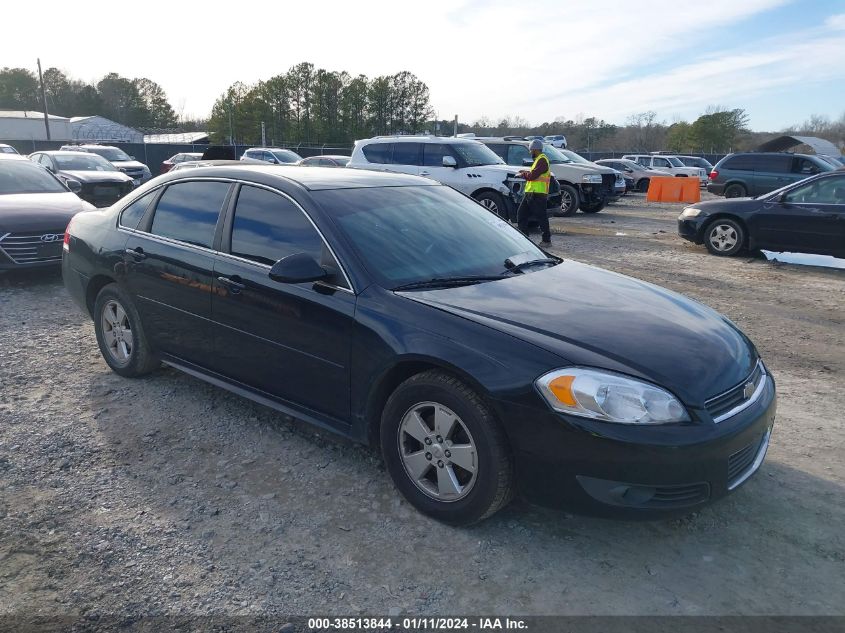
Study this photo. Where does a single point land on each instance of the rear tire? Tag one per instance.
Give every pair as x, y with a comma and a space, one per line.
642, 185
569, 201
120, 334
445, 451
724, 237
735, 190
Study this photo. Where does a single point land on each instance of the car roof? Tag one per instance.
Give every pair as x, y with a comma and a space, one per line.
61, 152
310, 178
4, 156
449, 140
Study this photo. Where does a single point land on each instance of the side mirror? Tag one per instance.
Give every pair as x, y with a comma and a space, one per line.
74, 185
298, 268
527, 162
449, 161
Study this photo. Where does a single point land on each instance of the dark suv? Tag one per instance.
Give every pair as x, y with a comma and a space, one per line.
756, 173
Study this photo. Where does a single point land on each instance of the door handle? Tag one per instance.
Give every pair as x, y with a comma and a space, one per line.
137, 252
234, 284
425, 173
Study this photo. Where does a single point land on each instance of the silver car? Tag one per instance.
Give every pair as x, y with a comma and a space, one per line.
641, 175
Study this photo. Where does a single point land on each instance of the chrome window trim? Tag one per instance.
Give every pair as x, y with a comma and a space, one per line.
747, 403
758, 461
350, 289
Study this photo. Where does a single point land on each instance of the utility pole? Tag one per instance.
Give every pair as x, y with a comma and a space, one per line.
44, 99
263, 135
455, 133
231, 128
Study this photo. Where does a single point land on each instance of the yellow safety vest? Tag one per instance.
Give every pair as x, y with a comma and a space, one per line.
541, 185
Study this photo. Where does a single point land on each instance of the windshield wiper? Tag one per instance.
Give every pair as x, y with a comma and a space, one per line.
518, 266
446, 282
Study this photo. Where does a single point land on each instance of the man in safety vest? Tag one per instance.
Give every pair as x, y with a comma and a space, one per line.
537, 182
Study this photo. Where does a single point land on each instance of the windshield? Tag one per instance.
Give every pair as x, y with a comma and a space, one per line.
675, 162
573, 156
286, 156
110, 153
412, 234
476, 154
82, 162
6, 149
26, 177
555, 155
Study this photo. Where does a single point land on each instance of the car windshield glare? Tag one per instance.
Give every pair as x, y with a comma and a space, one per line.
405, 235
675, 162
83, 162
111, 153
575, 158
286, 156
476, 154
27, 177
554, 155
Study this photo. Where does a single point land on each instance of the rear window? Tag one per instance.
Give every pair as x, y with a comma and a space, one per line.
188, 212
406, 154
742, 162
378, 153
131, 215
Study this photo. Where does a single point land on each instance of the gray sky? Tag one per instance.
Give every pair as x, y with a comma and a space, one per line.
782, 60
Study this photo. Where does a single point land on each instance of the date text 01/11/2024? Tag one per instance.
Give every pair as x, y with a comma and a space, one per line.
415, 624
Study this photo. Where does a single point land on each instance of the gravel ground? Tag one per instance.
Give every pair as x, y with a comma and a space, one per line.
169, 496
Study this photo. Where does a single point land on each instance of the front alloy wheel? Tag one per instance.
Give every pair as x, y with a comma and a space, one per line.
438, 451
724, 237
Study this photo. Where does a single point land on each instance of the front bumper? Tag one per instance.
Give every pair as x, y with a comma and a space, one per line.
621, 471
691, 229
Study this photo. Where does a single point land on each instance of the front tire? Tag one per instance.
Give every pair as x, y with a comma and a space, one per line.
642, 185
569, 201
494, 203
593, 207
724, 237
120, 334
445, 451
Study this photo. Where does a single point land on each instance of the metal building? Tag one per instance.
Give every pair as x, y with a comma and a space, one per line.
28, 125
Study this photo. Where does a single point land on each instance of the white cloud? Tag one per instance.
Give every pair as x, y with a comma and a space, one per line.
836, 21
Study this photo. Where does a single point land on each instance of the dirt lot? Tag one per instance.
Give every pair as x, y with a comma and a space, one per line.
167, 496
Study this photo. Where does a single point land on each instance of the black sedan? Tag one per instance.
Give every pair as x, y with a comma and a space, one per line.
804, 217
352, 300
35, 208
101, 182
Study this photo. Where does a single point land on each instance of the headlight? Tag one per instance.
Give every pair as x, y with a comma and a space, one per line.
603, 395
691, 212
592, 178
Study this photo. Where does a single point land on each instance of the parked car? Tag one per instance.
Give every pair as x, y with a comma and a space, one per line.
168, 164
349, 299
696, 161
619, 183
462, 163
803, 217
670, 164
35, 208
272, 155
101, 183
757, 173
634, 171
7, 149
137, 171
193, 164
328, 160
586, 187
557, 140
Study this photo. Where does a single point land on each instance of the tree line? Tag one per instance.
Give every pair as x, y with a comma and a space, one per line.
319, 106
138, 102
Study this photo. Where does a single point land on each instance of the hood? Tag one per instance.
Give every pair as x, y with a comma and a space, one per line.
734, 205
656, 172
128, 164
38, 211
96, 176
593, 317
580, 169
505, 169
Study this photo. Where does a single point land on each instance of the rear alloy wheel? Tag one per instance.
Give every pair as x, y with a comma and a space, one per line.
569, 201
494, 203
735, 190
724, 237
444, 449
120, 335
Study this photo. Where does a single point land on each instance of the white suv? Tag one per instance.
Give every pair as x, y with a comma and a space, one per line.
671, 164
462, 163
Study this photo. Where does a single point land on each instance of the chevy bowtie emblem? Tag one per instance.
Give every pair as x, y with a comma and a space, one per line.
748, 390
51, 237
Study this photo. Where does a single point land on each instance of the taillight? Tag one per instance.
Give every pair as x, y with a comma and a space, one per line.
714, 174
66, 242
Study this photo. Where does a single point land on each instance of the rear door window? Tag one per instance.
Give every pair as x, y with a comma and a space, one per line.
378, 153
188, 212
406, 154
